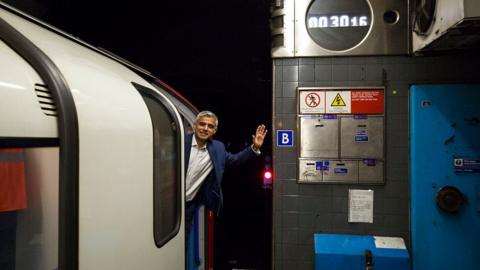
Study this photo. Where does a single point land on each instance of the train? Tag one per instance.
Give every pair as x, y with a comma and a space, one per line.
102, 145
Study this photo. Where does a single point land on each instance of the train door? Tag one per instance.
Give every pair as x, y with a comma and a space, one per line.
29, 168
168, 178
103, 168
445, 176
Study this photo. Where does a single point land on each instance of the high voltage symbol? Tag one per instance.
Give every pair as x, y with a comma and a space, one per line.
338, 101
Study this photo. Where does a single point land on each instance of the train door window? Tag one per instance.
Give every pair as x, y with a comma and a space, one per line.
167, 170
29, 202
187, 126
184, 107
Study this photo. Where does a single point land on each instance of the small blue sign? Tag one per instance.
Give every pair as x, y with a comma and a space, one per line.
340, 170
329, 116
360, 116
285, 138
361, 138
463, 165
370, 162
361, 132
322, 165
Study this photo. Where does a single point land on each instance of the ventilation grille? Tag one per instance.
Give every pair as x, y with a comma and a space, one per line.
47, 104
424, 16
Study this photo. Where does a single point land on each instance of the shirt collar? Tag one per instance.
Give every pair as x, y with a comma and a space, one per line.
195, 144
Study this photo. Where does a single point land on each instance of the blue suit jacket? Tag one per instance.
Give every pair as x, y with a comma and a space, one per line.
210, 193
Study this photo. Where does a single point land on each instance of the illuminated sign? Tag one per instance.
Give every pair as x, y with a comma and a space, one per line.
338, 25
345, 20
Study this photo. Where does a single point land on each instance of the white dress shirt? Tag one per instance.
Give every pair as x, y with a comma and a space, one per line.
199, 166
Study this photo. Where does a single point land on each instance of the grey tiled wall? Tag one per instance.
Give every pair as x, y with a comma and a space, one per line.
300, 210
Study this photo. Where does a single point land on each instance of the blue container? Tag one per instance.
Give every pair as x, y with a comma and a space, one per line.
445, 155
347, 252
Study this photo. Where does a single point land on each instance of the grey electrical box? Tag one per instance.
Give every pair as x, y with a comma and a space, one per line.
370, 171
361, 137
310, 170
341, 135
342, 27
318, 137
342, 171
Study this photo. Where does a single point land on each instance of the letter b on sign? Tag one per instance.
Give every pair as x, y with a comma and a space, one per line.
285, 138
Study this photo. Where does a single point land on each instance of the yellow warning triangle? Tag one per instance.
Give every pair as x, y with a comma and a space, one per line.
338, 101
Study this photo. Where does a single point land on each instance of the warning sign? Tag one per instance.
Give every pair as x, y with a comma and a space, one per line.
357, 101
311, 102
338, 102
367, 101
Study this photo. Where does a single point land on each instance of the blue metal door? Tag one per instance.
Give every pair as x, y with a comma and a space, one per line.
445, 176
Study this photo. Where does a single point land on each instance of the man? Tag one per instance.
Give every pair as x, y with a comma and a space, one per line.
206, 160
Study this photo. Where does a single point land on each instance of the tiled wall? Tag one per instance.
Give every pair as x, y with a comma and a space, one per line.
300, 210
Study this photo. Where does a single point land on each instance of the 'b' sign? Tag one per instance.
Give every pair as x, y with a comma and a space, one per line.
285, 138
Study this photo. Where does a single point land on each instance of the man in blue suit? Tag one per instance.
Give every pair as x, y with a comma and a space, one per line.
206, 160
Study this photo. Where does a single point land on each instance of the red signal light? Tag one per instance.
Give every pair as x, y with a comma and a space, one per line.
267, 178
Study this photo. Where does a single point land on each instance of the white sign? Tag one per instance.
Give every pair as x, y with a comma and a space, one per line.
389, 242
285, 138
338, 102
360, 205
311, 102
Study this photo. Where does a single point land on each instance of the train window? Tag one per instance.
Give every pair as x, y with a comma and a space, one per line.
166, 175
184, 107
188, 127
29, 202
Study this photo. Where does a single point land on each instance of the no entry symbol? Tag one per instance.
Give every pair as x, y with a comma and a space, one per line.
312, 100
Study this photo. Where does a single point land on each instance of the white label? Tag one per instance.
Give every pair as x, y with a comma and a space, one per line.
389, 242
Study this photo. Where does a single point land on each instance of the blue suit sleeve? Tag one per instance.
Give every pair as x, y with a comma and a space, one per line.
234, 160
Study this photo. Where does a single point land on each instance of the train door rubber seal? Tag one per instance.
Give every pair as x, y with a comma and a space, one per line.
68, 141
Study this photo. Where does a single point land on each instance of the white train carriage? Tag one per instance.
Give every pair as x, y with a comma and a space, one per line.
103, 153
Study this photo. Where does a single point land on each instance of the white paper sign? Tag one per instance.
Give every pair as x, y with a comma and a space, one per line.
311, 102
360, 205
389, 242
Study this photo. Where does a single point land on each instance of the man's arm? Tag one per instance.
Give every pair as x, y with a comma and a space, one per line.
233, 160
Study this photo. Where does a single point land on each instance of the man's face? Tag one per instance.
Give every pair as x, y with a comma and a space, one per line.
205, 128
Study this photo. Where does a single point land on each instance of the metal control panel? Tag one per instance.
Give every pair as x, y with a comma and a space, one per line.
341, 135
344, 171
319, 137
305, 28
361, 136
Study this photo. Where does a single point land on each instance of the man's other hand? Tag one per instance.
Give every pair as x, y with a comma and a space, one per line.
259, 137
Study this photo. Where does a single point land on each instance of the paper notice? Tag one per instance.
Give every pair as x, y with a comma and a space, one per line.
360, 205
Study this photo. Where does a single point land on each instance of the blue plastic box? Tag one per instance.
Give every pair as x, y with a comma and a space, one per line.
347, 252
